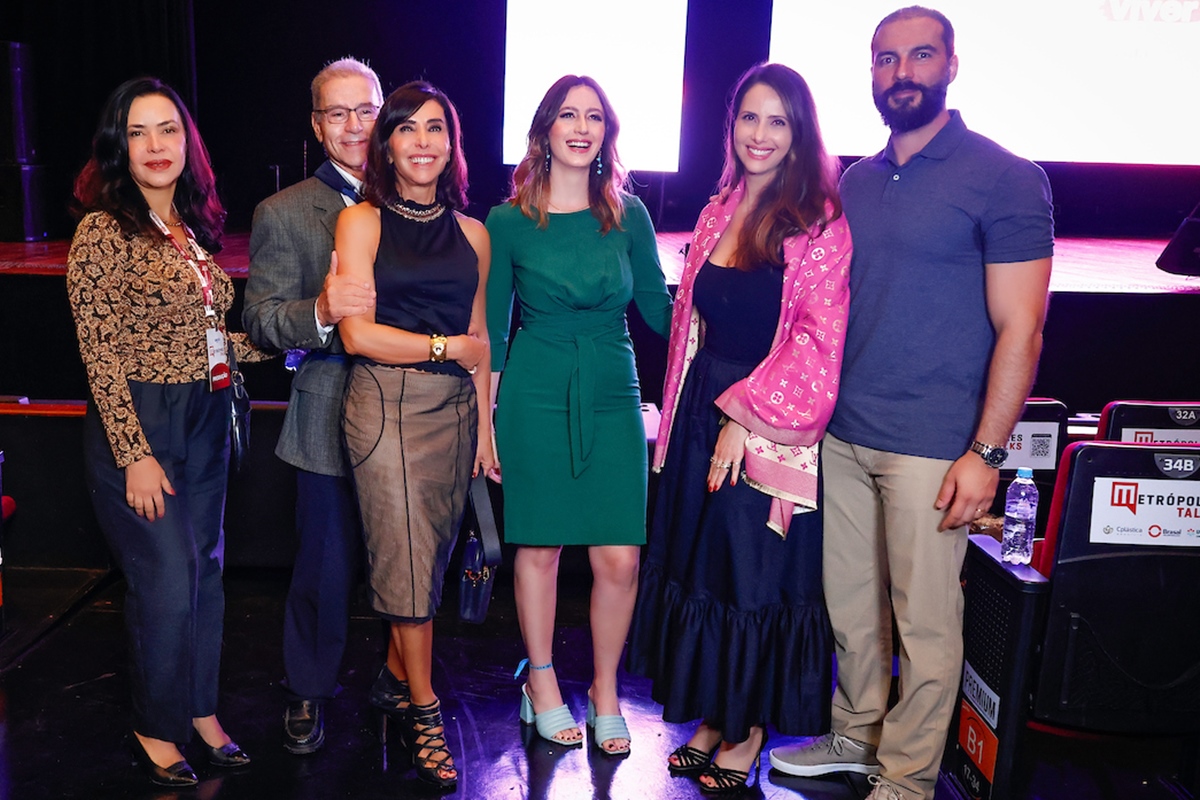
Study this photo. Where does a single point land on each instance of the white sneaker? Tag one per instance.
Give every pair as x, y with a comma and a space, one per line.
884, 789
825, 754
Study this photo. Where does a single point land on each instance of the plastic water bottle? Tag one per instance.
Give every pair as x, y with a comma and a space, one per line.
1020, 518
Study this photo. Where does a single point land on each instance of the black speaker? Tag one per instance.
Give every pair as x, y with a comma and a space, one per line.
22, 215
1182, 254
17, 140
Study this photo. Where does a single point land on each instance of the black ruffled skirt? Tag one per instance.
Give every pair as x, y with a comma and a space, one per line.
730, 623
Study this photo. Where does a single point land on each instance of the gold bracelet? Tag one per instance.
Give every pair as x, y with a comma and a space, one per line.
437, 347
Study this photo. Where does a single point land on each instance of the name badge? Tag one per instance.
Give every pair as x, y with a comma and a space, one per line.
218, 361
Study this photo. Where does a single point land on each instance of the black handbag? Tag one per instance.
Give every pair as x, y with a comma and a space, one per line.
481, 555
239, 418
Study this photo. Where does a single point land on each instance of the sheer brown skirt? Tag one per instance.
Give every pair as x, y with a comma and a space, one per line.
411, 440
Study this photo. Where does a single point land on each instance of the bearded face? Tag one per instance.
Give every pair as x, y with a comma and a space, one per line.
910, 72
907, 105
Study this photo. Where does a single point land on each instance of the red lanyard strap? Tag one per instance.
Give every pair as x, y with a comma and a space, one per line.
197, 260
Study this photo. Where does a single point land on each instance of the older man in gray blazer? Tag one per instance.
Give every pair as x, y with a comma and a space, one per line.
294, 300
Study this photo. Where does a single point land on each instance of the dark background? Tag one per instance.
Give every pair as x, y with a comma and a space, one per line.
244, 69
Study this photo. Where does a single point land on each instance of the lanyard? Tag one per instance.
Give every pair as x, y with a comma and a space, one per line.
197, 260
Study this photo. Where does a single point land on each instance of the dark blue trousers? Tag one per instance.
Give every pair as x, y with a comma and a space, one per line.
317, 613
175, 603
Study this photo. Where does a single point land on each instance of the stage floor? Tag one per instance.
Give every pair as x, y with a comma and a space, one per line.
1099, 266
64, 720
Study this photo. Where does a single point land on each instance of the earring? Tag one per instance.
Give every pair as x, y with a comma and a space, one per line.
600, 163
547, 161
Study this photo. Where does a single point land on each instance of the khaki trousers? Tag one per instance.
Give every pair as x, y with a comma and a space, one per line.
885, 559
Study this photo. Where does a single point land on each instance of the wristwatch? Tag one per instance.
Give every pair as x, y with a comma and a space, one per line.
992, 455
437, 347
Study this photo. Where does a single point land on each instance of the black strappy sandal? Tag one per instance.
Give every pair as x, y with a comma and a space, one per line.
390, 698
691, 760
732, 781
427, 739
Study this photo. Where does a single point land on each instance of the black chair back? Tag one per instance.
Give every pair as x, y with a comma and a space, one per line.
1120, 651
1037, 442
1146, 421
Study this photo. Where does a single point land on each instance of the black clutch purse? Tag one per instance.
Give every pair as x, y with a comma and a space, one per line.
239, 419
481, 555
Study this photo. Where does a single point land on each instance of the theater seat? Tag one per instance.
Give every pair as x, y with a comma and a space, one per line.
1148, 421
1099, 634
1036, 442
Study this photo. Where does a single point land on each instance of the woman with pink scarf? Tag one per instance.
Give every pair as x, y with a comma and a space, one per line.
731, 623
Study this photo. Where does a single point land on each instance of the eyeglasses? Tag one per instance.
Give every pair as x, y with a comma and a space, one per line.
367, 112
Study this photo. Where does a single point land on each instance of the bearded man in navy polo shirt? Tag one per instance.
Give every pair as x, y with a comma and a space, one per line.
953, 237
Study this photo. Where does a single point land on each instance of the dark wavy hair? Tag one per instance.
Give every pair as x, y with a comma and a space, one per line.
805, 184
531, 181
379, 184
105, 183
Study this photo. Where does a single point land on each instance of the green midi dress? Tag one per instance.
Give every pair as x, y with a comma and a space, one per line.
569, 431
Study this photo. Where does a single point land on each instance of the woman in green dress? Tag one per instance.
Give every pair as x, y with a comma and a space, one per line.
575, 247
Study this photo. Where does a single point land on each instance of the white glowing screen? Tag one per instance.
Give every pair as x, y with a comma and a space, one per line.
634, 50
1100, 81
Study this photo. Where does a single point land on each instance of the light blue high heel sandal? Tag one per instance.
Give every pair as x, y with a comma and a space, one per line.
549, 724
607, 728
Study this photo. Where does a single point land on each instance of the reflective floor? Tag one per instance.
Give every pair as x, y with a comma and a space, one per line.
64, 721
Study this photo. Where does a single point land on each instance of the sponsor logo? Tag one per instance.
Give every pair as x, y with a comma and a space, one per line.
1125, 495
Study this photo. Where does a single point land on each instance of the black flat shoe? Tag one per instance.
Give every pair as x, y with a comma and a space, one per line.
229, 756
303, 727
177, 776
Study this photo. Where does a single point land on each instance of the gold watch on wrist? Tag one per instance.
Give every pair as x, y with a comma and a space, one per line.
437, 347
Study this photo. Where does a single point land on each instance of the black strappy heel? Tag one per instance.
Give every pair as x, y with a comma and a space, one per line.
427, 739
691, 760
390, 698
730, 781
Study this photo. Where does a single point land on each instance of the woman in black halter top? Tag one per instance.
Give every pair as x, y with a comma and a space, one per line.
411, 398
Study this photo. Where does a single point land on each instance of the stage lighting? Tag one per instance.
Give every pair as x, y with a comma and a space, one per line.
1092, 81
634, 50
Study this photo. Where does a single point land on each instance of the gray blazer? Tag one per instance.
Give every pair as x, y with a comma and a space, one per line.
290, 243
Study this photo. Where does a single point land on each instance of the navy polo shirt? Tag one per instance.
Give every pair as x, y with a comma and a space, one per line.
918, 339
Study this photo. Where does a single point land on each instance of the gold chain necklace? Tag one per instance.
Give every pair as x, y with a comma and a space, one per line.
417, 214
